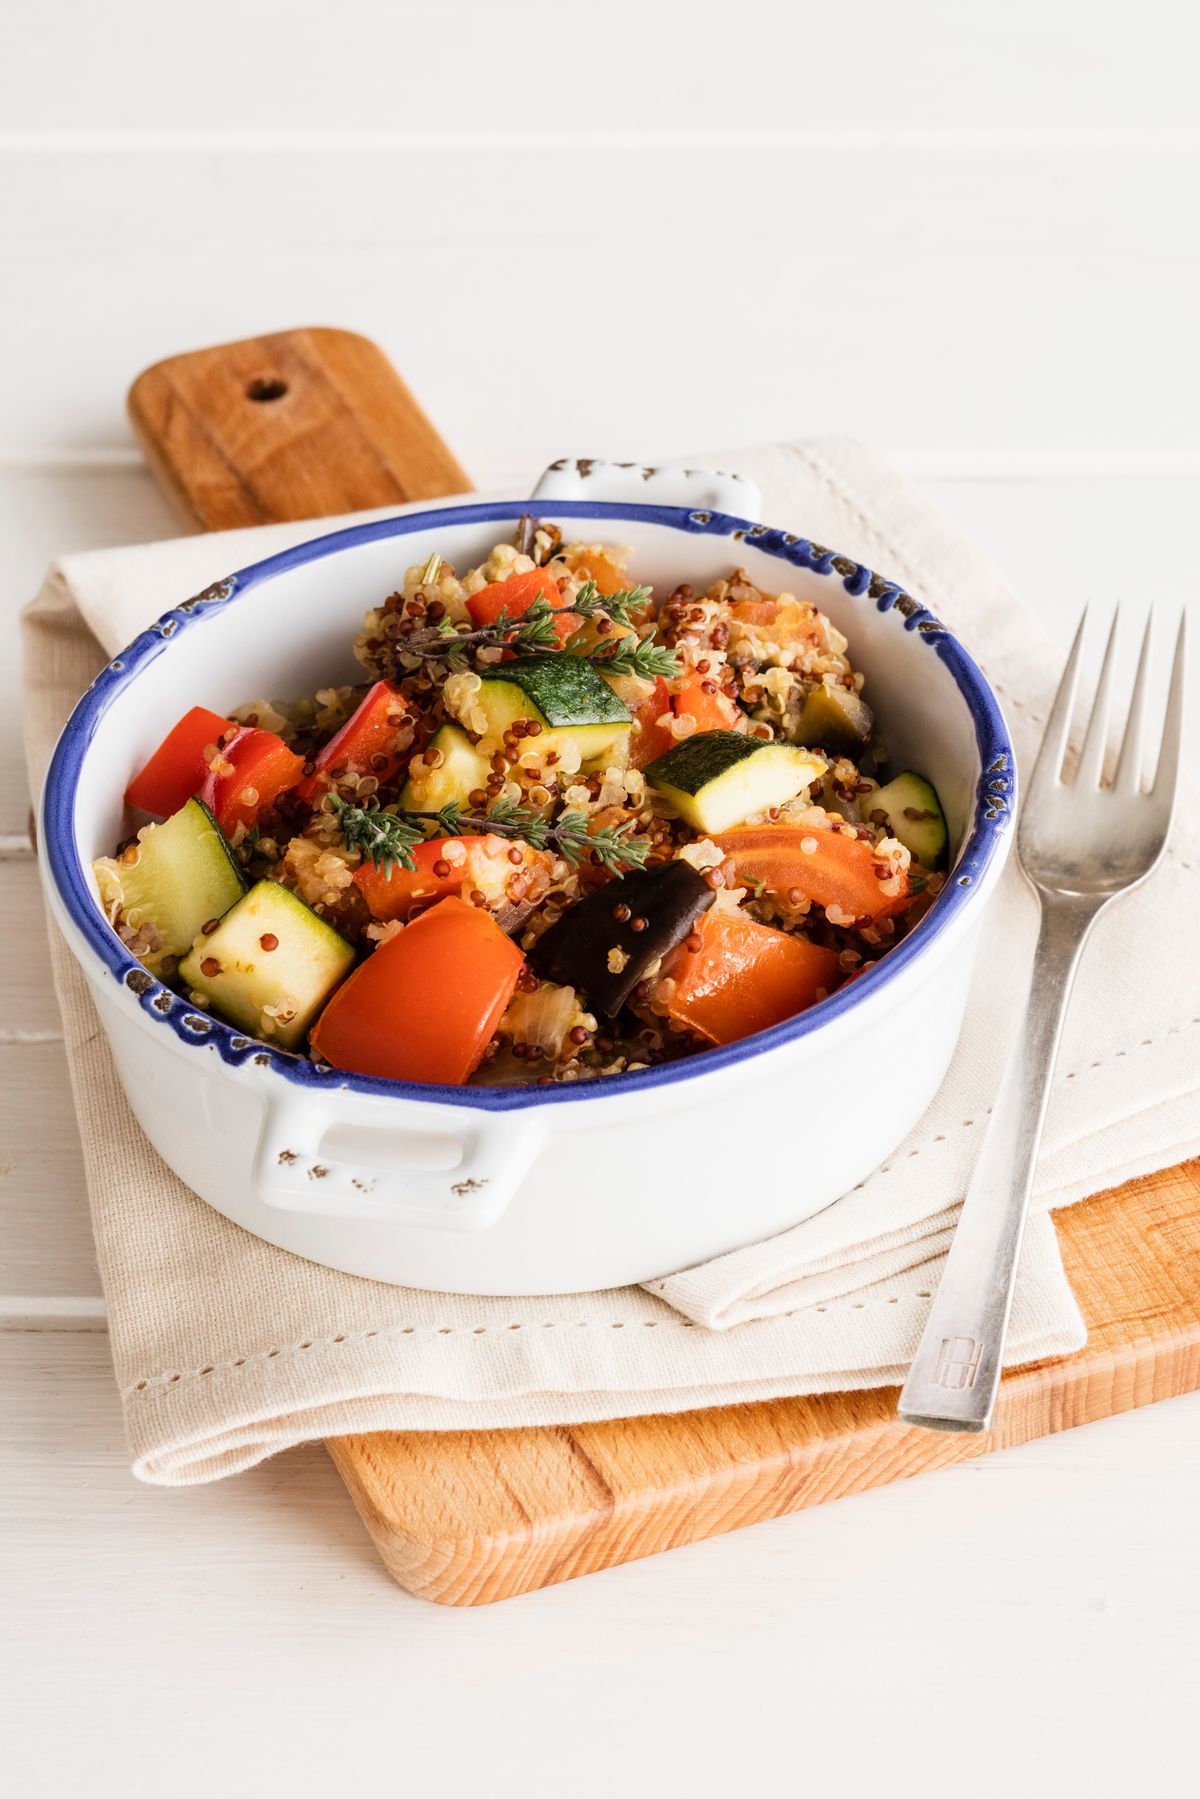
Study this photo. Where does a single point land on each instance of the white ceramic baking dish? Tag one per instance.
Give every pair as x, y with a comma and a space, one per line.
538, 1189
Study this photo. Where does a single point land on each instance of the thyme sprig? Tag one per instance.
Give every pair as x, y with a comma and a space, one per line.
385, 838
589, 601
531, 632
613, 846
535, 633
388, 839
637, 656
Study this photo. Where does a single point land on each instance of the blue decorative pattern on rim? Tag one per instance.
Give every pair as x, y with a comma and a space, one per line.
991, 819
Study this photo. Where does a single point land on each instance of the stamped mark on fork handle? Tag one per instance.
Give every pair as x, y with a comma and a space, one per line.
957, 1363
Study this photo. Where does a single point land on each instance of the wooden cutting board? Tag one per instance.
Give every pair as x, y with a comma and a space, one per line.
312, 422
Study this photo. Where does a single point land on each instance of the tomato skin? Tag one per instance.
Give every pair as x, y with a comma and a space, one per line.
514, 597
425, 1004
746, 977
683, 697
261, 763
177, 768
711, 711
650, 738
405, 890
371, 732
785, 621
839, 872
595, 566
485, 862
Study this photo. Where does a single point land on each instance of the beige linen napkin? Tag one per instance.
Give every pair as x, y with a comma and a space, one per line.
227, 1350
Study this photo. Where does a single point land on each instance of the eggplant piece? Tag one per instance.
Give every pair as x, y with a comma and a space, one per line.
605, 943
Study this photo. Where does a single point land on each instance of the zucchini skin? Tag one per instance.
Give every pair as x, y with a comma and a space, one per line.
717, 778
248, 971
566, 690
914, 815
692, 764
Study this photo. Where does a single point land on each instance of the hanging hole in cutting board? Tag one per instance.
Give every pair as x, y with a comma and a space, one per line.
266, 387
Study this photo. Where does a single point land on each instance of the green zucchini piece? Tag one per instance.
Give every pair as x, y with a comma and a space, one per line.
716, 779
914, 816
567, 697
185, 874
238, 971
835, 717
462, 772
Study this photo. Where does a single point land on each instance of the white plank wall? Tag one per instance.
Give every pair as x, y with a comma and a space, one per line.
969, 235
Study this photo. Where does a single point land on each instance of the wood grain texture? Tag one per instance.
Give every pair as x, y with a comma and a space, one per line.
466, 1518
289, 426
471, 1517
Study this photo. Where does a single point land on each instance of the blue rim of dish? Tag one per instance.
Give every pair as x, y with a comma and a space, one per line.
991, 818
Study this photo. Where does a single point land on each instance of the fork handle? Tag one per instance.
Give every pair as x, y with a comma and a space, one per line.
954, 1378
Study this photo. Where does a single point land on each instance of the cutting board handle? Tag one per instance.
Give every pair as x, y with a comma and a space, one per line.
299, 424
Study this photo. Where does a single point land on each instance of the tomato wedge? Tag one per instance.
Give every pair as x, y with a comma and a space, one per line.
372, 741
425, 1004
608, 575
713, 711
745, 977
252, 770
649, 737
782, 620
177, 768
824, 866
514, 597
405, 890
445, 865
685, 697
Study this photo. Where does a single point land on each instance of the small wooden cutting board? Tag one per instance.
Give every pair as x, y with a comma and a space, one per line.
305, 423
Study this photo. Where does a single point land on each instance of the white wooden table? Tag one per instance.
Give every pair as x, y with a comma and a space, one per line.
970, 236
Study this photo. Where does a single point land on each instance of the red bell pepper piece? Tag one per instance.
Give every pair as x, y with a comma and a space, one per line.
745, 977
373, 741
515, 596
177, 768
249, 773
425, 1004
833, 871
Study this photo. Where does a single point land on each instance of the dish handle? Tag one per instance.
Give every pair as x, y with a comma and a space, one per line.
698, 489
440, 1171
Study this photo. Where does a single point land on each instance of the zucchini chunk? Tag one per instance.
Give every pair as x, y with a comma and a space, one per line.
835, 717
716, 779
269, 966
564, 694
914, 816
462, 771
183, 875
592, 947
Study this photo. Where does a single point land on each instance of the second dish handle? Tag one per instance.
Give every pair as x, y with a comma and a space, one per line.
698, 489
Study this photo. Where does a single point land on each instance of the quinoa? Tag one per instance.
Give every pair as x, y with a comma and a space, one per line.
823, 864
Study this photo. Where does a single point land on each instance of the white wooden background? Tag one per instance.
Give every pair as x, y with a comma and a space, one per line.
968, 234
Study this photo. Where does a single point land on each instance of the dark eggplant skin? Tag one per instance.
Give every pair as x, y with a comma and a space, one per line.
665, 903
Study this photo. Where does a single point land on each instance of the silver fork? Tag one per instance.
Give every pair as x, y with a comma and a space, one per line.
1081, 846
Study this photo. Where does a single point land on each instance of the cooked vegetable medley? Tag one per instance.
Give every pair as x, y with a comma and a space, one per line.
565, 827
